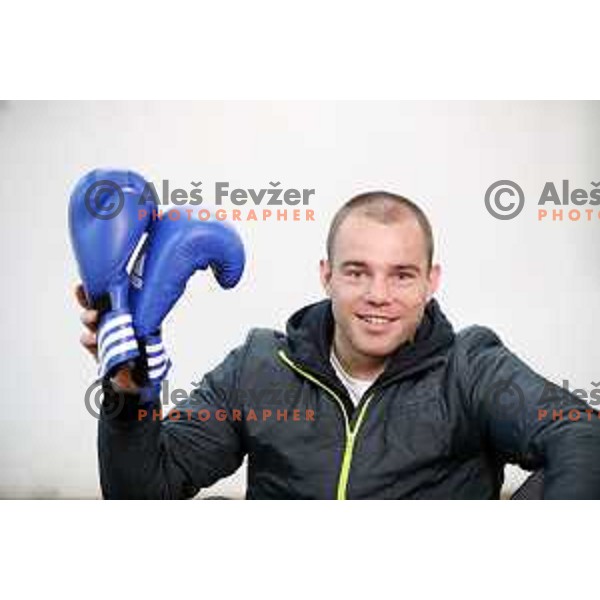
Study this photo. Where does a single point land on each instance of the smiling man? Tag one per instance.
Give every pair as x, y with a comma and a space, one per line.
404, 407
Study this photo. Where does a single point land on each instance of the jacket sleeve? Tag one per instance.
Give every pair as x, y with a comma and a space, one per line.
530, 421
142, 455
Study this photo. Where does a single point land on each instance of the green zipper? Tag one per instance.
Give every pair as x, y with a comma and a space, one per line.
350, 432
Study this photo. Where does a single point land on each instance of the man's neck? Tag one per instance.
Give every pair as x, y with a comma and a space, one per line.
358, 366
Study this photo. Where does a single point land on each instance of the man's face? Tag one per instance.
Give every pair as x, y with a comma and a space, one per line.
379, 284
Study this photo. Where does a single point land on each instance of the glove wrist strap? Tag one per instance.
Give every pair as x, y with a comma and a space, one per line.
116, 340
157, 361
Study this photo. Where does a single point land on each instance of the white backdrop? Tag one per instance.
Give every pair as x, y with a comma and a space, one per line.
535, 283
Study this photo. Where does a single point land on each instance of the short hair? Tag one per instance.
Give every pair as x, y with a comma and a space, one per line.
383, 207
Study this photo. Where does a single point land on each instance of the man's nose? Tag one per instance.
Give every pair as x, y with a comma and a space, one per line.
378, 291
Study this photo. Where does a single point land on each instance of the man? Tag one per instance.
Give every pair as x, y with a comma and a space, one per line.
369, 394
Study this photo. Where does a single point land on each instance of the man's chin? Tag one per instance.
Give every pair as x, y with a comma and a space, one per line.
378, 350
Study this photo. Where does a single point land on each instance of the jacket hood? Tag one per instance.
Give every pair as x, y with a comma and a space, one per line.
310, 333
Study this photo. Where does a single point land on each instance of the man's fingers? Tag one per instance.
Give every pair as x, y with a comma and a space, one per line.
80, 295
90, 319
89, 341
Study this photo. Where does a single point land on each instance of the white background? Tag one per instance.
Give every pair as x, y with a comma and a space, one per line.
533, 282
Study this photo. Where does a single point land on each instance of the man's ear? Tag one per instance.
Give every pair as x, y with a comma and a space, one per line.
435, 275
325, 273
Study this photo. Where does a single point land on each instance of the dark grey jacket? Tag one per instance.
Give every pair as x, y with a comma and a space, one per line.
444, 418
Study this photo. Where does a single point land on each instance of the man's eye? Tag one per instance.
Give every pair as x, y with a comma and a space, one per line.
354, 274
405, 276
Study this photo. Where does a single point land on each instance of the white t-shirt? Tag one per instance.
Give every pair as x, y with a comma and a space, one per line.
356, 387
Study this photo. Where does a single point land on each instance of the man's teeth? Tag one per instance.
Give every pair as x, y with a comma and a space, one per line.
376, 320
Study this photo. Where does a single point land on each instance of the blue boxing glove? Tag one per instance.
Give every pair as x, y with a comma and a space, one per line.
172, 253
109, 211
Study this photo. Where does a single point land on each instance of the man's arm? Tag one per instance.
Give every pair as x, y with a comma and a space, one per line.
142, 456
530, 421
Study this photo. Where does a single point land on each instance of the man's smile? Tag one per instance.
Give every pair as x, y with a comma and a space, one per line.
376, 321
